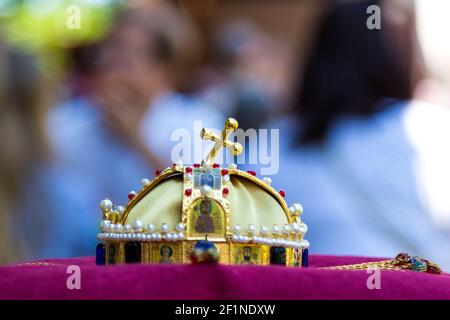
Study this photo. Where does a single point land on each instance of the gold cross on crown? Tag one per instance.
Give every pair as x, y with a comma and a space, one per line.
221, 140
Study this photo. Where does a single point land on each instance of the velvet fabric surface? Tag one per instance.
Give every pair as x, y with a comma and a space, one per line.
47, 279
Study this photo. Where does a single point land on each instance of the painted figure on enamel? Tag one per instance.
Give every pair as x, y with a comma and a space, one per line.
247, 256
166, 253
204, 213
205, 223
206, 217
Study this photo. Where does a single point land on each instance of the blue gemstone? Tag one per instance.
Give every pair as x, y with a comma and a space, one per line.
100, 254
204, 245
305, 261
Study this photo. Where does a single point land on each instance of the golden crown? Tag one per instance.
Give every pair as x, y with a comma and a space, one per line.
204, 213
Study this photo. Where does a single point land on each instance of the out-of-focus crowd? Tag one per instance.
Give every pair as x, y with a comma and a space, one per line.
364, 127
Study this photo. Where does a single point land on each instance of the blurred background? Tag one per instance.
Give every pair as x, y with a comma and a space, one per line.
90, 92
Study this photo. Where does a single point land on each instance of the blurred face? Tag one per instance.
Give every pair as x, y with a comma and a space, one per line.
128, 79
128, 47
129, 61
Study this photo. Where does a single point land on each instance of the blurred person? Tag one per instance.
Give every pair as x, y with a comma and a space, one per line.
249, 74
24, 150
146, 58
365, 159
116, 127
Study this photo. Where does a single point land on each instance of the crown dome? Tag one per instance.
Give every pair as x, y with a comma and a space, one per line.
251, 202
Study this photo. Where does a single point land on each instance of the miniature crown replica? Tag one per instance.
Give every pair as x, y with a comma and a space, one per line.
204, 213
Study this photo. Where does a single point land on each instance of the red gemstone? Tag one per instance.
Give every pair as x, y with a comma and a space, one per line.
188, 170
224, 172
253, 173
216, 165
196, 165
157, 172
188, 192
131, 195
225, 191
282, 193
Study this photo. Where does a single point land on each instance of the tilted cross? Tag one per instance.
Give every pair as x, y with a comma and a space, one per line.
221, 141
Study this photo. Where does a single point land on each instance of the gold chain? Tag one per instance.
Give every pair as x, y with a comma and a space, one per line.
402, 262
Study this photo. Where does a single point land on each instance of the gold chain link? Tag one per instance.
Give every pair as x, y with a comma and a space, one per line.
402, 262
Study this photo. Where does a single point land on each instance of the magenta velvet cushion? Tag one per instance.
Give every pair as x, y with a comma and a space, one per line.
47, 280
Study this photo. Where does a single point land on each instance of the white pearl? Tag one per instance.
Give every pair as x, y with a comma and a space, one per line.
296, 228
111, 227
305, 244
180, 163
164, 227
292, 211
150, 227
298, 208
264, 230
181, 236
303, 228
169, 236
118, 228
104, 225
267, 181
175, 236
145, 182
158, 236
287, 229
137, 226
232, 166
120, 209
205, 190
106, 205
276, 230
127, 228
226, 178
237, 229
235, 237
251, 228
180, 227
